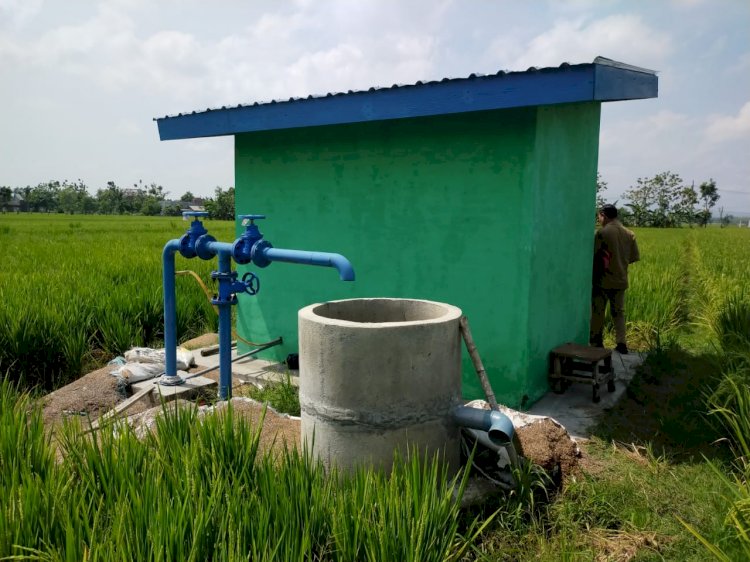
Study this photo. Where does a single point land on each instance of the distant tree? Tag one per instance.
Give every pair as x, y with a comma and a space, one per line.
187, 197
151, 206
222, 205
6, 194
683, 209
601, 187
74, 197
661, 201
44, 197
110, 200
709, 195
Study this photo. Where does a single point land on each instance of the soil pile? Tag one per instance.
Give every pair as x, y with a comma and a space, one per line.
547, 444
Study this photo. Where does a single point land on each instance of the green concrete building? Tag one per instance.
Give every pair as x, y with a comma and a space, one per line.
478, 192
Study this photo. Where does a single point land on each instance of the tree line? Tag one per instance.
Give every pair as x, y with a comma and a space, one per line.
142, 199
665, 200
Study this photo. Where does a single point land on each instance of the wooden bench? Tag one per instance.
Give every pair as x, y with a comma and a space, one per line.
571, 362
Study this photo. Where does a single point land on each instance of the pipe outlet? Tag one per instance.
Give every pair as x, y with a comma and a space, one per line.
498, 426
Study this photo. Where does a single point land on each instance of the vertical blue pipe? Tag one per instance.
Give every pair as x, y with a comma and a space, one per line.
170, 315
225, 333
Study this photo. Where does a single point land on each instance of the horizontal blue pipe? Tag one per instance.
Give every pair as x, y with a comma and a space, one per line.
344, 267
497, 425
170, 317
218, 248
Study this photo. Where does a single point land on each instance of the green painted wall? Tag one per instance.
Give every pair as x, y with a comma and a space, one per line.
468, 209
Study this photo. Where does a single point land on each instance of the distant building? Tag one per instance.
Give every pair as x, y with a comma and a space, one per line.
15, 205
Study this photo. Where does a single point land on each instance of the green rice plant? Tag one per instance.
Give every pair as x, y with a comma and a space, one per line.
282, 397
736, 483
74, 294
411, 514
197, 488
731, 324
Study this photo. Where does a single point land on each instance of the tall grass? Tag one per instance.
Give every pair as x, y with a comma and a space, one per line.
200, 489
736, 481
76, 293
687, 280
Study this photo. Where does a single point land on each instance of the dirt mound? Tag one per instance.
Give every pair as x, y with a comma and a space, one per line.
548, 445
91, 395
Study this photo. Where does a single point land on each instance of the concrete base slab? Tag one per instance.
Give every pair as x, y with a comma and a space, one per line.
575, 410
185, 391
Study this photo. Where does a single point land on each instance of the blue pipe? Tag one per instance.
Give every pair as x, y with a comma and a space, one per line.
498, 426
342, 265
170, 315
225, 333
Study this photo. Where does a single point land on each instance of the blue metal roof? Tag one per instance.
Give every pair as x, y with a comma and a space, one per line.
603, 80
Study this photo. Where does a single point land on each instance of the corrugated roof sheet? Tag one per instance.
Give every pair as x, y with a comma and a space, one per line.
575, 82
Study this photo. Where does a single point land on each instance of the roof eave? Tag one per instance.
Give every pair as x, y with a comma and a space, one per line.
579, 83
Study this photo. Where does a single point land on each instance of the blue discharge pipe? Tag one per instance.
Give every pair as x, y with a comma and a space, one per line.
248, 248
498, 426
342, 265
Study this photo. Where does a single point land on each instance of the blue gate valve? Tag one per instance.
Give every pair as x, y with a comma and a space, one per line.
250, 245
229, 286
188, 240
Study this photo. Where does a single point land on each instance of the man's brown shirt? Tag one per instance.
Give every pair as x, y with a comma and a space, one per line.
618, 243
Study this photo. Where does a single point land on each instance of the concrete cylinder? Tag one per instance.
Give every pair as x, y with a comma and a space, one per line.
377, 375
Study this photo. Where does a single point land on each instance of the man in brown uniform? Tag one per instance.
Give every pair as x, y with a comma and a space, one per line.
614, 249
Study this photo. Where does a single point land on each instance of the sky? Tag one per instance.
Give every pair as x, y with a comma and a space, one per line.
81, 81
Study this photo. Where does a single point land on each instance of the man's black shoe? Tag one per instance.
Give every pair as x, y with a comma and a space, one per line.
621, 348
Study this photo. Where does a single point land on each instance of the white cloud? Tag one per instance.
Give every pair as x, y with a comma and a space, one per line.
620, 36
19, 12
723, 128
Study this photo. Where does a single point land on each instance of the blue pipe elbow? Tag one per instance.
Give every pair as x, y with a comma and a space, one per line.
170, 314
342, 265
498, 426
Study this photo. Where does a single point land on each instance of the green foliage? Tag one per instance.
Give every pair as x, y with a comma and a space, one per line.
199, 489
74, 295
664, 201
221, 207
283, 397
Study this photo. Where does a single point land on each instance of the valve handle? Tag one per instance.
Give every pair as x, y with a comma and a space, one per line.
252, 283
248, 219
195, 214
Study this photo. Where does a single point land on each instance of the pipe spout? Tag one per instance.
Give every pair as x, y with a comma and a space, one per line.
342, 265
498, 426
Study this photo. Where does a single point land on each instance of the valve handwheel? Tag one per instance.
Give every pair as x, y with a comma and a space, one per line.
252, 283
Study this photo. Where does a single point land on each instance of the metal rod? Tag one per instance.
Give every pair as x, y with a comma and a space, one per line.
214, 349
255, 351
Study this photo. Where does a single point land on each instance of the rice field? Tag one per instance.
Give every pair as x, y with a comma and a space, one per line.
690, 283
78, 290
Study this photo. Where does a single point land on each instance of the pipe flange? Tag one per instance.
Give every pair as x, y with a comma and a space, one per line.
259, 258
202, 247
173, 380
